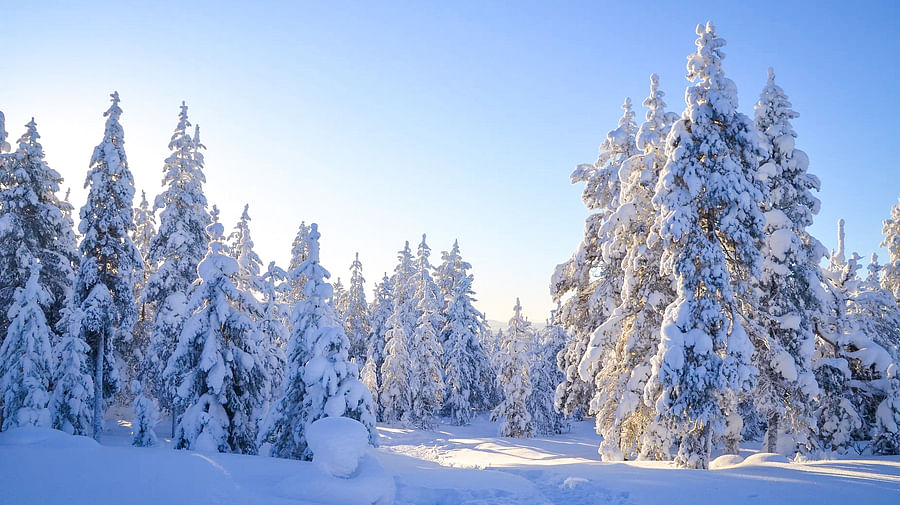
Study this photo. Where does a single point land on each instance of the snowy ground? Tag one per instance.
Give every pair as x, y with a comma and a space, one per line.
450, 466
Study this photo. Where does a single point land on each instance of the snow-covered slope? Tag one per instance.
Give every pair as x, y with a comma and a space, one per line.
449, 466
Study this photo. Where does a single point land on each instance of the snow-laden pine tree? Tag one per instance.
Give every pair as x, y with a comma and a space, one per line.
293, 291
396, 371
426, 375
790, 282
380, 310
514, 377
26, 358
110, 265
241, 249
710, 225
890, 280
71, 404
33, 224
545, 376
589, 282
339, 300
617, 359
356, 317
273, 331
4, 145
175, 252
219, 359
146, 417
468, 377
144, 231
321, 380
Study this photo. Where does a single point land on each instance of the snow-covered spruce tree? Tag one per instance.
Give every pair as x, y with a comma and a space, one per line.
593, 275
426, 374
4, 145
396, 371
26, 358
356, 317
71, 404
218, 358
469, 378
293, 291
146, 417
241, 249
321, 380
380, 310
110, 265
33, 224
544, 376
891, 229
273, 331
617, 359
514, 378
339, 300
144, 231
710, 224
790, 280
175, 251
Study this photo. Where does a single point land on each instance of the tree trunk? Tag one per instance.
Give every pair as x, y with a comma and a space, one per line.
98, 387
772, 433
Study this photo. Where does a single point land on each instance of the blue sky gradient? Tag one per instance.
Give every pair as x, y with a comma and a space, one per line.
461, 120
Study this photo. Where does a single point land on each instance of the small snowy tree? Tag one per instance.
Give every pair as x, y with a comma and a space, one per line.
144, 231
426, 376
218, 357
25, 358
72, 401
514, 378
293, 291
145, 418
710, 224
241, 248
396, 394
544, 376
175, 252
356, 317
380, 311
321, 381
593, 275
274, 333
110, 265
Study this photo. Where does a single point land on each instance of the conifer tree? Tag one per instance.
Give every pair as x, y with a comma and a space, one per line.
891, 229
144, 231
33, 224
339, 300
426, 376
592, 276
381, 308
293, 292
274, 333
514, 377
356, 318
396, 395
710, 224
790, 275
175, 252
26, 358
71, 403
145, 418
544, 376
218, 358
241, 249
110, 265
321, 381
621, 348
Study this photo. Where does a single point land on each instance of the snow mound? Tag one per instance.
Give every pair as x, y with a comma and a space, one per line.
370, 485
765, 457
337, 444
45, 437
725, 461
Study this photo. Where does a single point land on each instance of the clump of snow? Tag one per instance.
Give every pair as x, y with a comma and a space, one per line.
725, 461
337, 444
765, 457
573, 482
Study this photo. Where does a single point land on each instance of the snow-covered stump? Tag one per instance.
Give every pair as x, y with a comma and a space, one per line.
340, 450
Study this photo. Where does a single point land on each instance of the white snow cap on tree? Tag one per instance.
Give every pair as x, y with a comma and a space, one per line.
25, 358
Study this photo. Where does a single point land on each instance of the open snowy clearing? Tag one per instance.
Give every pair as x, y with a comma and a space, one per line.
452, 465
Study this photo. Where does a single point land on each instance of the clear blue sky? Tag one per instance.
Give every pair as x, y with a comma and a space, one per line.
381, 122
